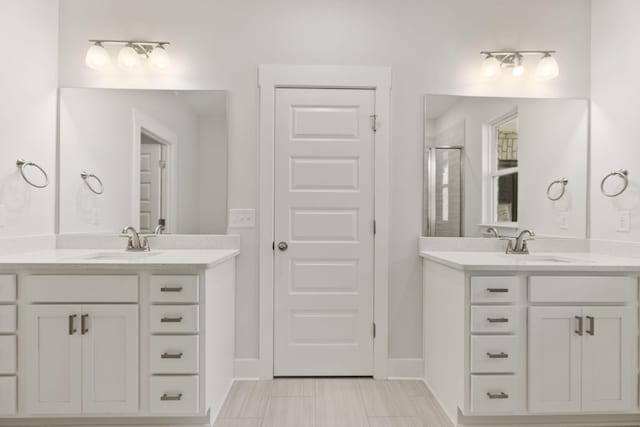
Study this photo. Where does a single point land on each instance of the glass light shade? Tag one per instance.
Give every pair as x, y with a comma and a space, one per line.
517, 70
159, 58
490, 66
547, 68
97, 57
128, 58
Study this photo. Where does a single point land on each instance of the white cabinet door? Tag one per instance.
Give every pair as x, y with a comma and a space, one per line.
110, 359
609, 355
53, 359
554, 359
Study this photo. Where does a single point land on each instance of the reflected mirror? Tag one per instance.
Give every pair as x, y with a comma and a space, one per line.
506, 164
154, 159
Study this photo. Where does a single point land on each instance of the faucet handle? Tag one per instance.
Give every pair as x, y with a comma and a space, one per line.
145, 243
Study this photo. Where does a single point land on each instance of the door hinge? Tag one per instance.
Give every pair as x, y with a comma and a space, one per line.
375, 227
163, 164
374, 122
374, 330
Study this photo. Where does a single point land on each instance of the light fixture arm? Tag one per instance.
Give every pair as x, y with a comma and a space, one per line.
142, 47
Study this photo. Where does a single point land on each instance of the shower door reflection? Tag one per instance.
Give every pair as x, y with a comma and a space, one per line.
443, 198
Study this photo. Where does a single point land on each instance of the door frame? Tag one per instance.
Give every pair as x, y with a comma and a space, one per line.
143, 123
270, 78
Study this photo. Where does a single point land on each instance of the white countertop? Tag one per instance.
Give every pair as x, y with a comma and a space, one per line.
107, 257
541, 261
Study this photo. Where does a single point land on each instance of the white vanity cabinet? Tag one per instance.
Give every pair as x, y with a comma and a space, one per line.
131, 343
518, 343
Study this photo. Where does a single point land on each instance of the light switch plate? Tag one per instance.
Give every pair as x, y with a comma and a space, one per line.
242, 218
623, 221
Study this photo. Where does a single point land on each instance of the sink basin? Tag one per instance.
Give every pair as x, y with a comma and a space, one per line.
118, 256
542, 259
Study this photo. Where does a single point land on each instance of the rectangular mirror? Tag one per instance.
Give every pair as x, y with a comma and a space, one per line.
153, 159
506, 163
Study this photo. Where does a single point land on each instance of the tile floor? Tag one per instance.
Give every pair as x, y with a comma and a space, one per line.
329, 402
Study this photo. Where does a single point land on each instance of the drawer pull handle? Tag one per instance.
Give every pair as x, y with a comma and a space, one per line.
171, 356
497, 290
171, 289
579, 330
501, 355
72, 329
591, 329
83, 324
497, 320
168, 397
501, 395
171, 319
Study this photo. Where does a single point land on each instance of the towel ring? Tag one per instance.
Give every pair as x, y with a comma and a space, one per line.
621, 173
86, 176
561, 181
22, 165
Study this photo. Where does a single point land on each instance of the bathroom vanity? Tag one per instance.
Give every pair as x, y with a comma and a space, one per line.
547, 339
145, 338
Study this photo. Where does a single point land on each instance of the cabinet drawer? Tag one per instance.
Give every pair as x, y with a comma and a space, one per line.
81, 288
7, 288
495, 354
8, 394
598, 289
496, 393
174, 319
494, 289
173, 289
8, 355
7, 319
498, 319
174, 354
173, 395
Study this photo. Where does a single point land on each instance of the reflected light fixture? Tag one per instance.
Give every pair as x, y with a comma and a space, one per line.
513, 61
132, 55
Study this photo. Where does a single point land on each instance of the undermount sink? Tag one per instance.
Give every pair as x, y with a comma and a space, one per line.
541, 259
121, 255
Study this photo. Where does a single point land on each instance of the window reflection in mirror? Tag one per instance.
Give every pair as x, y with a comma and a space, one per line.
503, 194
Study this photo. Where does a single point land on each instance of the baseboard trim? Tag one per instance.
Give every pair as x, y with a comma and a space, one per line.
246, 369
440, 407
406, 368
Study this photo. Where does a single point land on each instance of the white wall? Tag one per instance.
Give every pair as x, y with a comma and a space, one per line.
28, 82
615, 126
553, 143
431, 45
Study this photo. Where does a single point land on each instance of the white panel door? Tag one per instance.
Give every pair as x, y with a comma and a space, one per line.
555, 336
110, 359
324, 147
54, 365
609, 359
150, 186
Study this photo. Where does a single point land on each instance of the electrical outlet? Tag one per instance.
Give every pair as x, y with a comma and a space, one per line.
242, 218
623, 222
563, 220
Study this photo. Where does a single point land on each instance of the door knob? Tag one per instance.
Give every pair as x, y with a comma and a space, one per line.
283, 246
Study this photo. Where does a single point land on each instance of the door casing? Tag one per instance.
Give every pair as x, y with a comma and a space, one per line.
271, 77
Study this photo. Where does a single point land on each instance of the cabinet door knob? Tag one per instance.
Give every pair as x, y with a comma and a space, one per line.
72, 321
591, 329
501, 395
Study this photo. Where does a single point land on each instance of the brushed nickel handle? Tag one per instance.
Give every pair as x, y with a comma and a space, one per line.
171, 319
501, 395
166, 355
579, 330
167, 397
283, 246
501, 355
72, 321
497, 290
497, 320
171, 289
83, 324
591, 329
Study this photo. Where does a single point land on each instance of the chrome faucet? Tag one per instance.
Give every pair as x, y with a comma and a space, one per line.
135, 242
493, 231
520, 246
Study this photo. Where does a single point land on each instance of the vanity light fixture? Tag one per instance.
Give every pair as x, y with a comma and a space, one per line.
512, 60
131, 55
